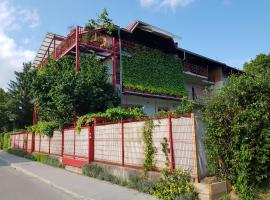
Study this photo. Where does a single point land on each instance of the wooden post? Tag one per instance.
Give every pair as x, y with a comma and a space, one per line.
194, 148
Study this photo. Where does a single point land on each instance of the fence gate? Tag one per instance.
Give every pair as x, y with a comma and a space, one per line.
78, 146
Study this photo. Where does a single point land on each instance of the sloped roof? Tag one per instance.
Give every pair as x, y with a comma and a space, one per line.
47, 44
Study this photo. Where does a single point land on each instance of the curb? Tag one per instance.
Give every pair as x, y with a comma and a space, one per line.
67, 191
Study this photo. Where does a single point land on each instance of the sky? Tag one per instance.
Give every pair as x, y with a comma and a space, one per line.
230, 31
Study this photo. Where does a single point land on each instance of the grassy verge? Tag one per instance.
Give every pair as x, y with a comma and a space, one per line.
171, 186
39, 157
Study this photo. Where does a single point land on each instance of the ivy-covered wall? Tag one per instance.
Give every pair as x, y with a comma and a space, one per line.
153, 71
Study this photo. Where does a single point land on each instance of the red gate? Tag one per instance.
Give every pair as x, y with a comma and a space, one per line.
78, 146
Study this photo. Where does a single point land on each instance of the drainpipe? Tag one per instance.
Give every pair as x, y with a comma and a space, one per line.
120, 61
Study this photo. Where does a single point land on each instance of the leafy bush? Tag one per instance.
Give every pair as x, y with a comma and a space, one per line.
238, 128
44, 128
175, 185
46, 159
134, 182
111, 114
154, 72
186, 106
16, 152
103, 21
5, 141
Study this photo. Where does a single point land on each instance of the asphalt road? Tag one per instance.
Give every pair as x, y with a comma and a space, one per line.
15, 185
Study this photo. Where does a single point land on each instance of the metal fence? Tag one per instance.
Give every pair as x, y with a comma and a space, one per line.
121, 143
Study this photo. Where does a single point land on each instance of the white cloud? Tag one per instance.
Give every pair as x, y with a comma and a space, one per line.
172, 4
12, 55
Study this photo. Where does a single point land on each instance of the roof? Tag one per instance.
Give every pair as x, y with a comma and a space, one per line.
47, 45
150, 28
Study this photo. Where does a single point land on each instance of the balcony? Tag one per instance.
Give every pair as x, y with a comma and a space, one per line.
195, 69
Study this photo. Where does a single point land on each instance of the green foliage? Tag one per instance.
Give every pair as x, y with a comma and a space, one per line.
238, 128
175, 185
44, 128
16, 152
154, 72
5, 141
20, 103
166, 150
46, 159
4, 111
149, 149
134, 182
60, 93
103, 21
111, 114
225, 197
186, 106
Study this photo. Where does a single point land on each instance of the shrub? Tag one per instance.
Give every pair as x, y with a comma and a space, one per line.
5, 141
16, 152
175, 185
46, 159
111, 114
238, 128
134, 182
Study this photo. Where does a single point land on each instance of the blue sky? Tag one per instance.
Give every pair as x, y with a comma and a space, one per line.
231, 31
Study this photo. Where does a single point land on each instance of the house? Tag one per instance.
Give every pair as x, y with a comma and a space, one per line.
147, 67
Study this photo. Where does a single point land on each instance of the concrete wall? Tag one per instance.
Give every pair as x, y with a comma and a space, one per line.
150, 105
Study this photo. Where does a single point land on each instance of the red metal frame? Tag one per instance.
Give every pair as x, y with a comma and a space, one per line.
123, 144
172, 163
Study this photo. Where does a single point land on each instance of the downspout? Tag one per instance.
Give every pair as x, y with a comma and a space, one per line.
120, 61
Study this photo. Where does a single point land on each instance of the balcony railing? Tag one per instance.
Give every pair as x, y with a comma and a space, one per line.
196, 69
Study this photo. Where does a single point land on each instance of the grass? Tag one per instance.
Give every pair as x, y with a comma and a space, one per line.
134, 182
39, 157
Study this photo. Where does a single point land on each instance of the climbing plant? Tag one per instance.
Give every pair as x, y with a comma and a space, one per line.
149, 149
150, 70
111, 114
166, 151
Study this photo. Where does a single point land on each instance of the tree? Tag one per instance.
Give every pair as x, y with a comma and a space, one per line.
238, 128
4, 120
60, 94
20, 105
103, 21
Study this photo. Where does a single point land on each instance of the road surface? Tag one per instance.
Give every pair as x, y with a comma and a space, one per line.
15, 185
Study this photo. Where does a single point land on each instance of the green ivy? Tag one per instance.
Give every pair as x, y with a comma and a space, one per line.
44, 128
149, 149
111, 114
166, 151
153, 71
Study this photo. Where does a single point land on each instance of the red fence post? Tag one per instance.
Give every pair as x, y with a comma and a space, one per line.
26, 149
74, 145
172, 164
39, 142
49, 145
77, 50
123, 144
91, 144
19, 141
33, 143
62, 150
